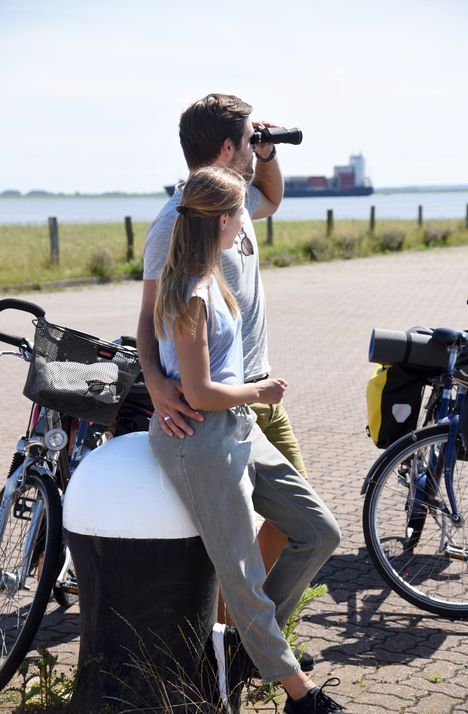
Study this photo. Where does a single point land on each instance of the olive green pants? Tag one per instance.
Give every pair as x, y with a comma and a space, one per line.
273, 420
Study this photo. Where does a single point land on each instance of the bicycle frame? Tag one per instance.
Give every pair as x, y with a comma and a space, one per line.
44, 460
450, 411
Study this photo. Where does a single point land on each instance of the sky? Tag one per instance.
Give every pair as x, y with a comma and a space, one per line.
92, 91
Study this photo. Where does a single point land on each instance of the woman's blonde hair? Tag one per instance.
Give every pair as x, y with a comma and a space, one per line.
208, 194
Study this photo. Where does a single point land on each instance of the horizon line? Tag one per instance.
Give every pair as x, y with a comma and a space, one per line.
43, 193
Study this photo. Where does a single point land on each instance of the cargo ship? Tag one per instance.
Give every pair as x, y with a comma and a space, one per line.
347, 180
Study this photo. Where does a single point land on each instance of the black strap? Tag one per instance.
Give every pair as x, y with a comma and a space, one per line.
409, 341
269, 157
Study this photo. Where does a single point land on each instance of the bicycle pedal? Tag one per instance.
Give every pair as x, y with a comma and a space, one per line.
456, 552
23, 508
71, 588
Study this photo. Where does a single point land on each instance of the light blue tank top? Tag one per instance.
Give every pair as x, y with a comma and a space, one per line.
224, 338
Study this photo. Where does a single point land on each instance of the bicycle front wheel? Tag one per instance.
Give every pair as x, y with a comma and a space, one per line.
31, 523
428, 566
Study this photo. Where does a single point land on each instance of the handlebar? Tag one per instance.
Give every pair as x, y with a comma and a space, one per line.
12, 340
24, 306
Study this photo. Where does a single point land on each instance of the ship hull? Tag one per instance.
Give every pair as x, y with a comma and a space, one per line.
308, 192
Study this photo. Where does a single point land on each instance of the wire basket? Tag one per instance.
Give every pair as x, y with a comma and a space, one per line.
77, 374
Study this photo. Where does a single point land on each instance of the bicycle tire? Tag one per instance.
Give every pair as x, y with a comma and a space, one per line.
431, 573
22, 609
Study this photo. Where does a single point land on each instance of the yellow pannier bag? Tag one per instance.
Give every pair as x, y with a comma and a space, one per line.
394, 397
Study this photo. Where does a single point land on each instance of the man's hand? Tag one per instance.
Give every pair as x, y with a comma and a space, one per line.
263, 150
171, 409
267, 177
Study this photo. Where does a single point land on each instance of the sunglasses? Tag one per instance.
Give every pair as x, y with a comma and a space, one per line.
246, 245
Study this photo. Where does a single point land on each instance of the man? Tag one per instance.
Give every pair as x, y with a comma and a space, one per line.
217, 130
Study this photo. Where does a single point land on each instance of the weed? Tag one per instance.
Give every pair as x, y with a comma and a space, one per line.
101, 263
135, 269
436, 236
319, 248
282, 261
390, 240
42, 689
360, 679
435, 677
347, 243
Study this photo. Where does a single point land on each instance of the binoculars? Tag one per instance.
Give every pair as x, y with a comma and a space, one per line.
276, 135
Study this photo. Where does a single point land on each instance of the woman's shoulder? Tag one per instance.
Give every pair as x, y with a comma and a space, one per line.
200, 287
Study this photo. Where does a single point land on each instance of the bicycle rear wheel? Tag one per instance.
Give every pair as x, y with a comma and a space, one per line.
430, 568
31, 521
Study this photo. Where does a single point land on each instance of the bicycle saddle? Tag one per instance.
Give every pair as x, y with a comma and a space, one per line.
447, 336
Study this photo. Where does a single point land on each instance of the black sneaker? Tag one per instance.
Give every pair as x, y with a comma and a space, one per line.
315, 701
233, 664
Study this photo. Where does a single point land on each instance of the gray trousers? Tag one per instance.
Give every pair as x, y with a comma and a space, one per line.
224, 473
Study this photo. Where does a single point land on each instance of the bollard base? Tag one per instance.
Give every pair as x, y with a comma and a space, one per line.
136, 650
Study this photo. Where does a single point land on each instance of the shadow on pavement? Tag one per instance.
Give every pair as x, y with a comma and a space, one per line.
372, 624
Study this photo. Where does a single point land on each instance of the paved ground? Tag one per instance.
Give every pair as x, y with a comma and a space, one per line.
389, 656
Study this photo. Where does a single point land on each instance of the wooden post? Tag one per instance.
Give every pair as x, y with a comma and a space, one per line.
420, 216
372, 219
129, 232
269, 238
329, 221
54, 241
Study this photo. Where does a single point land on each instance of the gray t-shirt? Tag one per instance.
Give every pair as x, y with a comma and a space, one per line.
241, 272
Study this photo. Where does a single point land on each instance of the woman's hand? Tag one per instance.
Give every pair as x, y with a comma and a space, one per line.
271, 390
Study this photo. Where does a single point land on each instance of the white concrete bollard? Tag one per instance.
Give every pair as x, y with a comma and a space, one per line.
147, 587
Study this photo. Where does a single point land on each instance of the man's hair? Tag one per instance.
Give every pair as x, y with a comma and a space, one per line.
207, 123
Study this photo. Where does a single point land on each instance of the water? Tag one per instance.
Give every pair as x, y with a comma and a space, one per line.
449, 204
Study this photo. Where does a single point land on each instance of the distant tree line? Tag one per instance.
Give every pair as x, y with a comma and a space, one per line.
38, 193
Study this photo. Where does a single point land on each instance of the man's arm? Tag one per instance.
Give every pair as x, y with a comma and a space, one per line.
268, 178
165, 393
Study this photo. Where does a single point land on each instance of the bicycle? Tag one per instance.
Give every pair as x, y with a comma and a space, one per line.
73, 379
416, 497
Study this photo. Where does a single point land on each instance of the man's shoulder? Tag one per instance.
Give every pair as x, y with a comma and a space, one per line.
166, 217
158, 238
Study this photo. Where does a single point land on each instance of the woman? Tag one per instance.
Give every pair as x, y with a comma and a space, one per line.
228, 470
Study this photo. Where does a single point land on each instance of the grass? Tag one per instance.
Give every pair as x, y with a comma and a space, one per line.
99, 249
85, 250
305, 241
42, 689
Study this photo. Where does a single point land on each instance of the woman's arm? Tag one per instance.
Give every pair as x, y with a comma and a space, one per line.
194, 365
164, 392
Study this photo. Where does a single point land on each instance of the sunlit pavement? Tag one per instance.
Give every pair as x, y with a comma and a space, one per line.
389, 656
